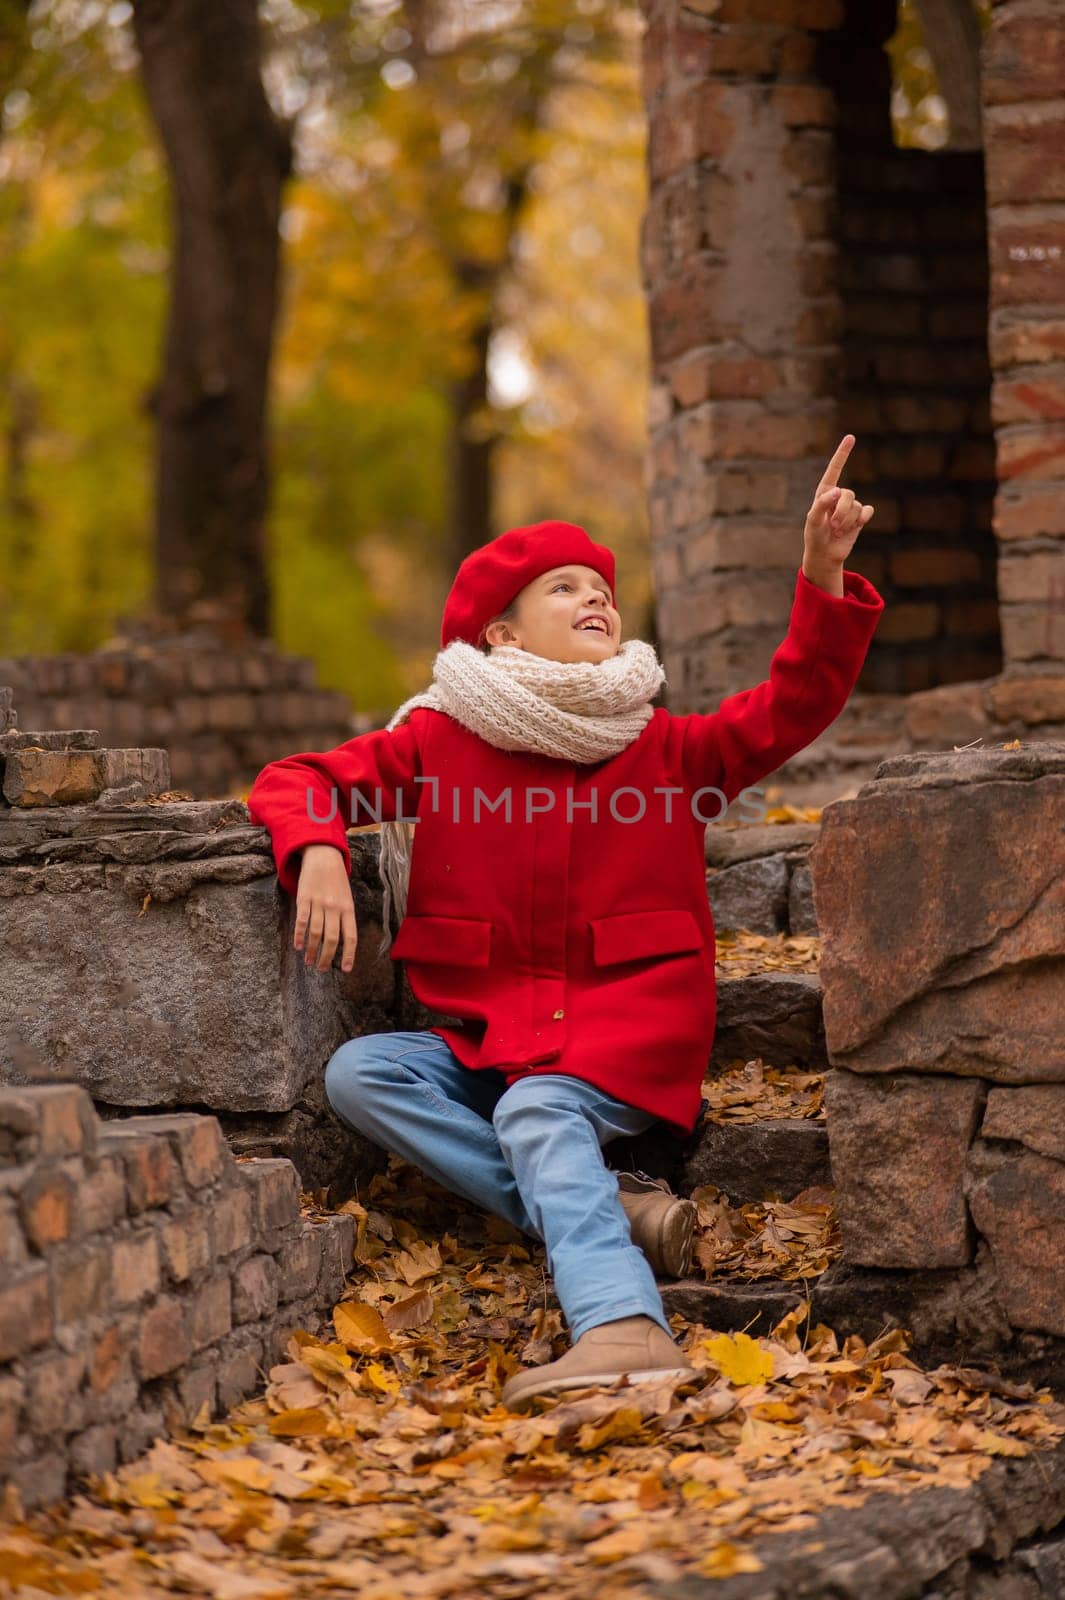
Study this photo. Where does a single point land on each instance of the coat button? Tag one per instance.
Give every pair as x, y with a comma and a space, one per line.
558, 1015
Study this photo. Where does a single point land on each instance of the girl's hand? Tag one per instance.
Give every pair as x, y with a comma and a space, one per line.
835, 519
325, 910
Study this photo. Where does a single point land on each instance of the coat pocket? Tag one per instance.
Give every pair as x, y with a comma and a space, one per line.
634, 935
452, 941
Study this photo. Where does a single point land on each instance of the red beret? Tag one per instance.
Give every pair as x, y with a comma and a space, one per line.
490, 577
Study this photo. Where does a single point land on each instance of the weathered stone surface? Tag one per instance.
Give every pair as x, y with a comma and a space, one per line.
1032, 1114
1018, 1204
898, 1150
726, 845
51, 777
186, 962
63, 739
802, 911
775, 1015
753, 1160
752, 895
941, 895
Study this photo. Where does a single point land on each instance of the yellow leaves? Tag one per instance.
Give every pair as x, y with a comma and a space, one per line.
1000, 1444
361, 1327
305, 1422
727, 1560
243, 1472
381, 1379
421, 1261
623, 1423
739, 1358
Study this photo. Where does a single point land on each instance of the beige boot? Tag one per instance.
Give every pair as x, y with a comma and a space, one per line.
662, 1224
637, 1346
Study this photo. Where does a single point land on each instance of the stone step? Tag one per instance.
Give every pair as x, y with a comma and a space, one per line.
774, 1015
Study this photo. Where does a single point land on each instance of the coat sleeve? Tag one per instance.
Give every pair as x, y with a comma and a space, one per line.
315, 796
811, 676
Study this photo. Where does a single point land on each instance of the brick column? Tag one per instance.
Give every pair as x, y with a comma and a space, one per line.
1024, 93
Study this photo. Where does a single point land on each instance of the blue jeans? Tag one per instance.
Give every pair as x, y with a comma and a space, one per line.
531, 1153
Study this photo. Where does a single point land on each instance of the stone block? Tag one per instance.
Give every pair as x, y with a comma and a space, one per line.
239, 1375
134, 1267
256, 1285
100, 1195
95, 1451
1017, 1200
752, 895
802, 910
940, 892
12, 1398
51, 777
775, 1015
232, 1221
163, 1342
81, 1281
898, 1148
208, 1311
152, 1175
45, 1122
299, 1263
142, 772
95, 989
13, 1249
46, 1207
53, 1402
186, 1244
196, 1141
25, 1312
1031, 1114
338, 1248
275, 1189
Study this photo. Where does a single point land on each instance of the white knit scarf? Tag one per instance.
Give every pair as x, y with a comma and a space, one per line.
582, 711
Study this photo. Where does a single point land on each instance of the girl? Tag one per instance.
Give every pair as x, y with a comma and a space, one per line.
555, 905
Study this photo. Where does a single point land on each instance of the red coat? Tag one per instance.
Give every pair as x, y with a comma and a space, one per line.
583, 946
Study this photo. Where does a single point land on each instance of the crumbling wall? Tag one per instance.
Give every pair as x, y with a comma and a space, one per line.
147, 1278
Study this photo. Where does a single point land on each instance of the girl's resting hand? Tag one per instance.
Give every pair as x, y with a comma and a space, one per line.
325, 910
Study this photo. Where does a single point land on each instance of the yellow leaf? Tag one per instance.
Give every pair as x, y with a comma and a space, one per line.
385, 1381
245, 1472
621, 1424
361, 1327
862, 1467
725, 1560
740, 1359
1000, 1444
303, 1422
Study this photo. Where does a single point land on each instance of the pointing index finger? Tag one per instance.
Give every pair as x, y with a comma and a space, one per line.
835, 466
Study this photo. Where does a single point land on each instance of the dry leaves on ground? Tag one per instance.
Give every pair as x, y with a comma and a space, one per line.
743, 955
788, 1239
749, 1091
381, 1462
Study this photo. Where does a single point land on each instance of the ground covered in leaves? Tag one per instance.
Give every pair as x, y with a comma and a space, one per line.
380, 1461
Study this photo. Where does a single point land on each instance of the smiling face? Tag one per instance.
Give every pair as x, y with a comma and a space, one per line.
565, 614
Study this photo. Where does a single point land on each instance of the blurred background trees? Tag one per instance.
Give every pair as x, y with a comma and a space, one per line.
412, 317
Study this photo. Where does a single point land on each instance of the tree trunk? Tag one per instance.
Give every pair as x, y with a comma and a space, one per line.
228, 158
952, 38
471, 447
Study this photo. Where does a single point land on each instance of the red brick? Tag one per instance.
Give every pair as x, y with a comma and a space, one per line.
1033, 699
209, 1311
299, 1263
68, 1121
81, 1280
232, 1220
1029, 511
1023, 159
163, 1343
13, 1251
1030, 632
134, 1267
909, 620
916, 568
1021, 341
1028, 399
151, 1172
1027, 262
681, 310
25, 1313
53, 1401
100, 1196
255, 1289
804, 105
46, 1202
197, 1142
1023, 57
186, 1244
275, 1186
1036, 451
108, 1360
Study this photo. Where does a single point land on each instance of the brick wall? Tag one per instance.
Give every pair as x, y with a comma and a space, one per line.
805, 279
144, 1275
1024, 126
221, 713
